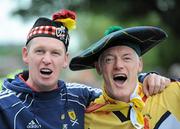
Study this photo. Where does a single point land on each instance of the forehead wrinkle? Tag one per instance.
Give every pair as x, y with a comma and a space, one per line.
44, 46
115, 51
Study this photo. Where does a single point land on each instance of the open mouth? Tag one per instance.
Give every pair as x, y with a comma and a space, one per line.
46, 71
120, 78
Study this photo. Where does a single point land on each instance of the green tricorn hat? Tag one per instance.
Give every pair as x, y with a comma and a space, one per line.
140, 38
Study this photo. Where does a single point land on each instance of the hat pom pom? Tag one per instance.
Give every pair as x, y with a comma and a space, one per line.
66, 17
112, 29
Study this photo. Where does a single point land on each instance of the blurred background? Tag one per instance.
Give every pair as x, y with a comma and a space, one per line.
94, 16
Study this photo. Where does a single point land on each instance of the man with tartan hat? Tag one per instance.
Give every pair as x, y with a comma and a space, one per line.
37, 98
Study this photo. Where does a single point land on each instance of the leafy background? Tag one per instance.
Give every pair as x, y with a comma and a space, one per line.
94, 16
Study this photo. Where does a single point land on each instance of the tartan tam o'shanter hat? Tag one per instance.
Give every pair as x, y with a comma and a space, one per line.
140, 38
57, 28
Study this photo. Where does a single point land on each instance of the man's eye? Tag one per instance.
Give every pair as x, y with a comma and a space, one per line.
108, 60
39, 51
127, 58
56, 53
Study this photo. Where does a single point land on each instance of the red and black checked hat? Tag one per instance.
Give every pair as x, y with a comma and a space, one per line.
57, 28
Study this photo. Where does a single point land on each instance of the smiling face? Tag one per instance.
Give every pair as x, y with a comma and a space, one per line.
45, 57
119, 67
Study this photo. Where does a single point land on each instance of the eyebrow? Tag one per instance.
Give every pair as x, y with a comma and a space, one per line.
124, 54
42, 47
107, 54
127, 54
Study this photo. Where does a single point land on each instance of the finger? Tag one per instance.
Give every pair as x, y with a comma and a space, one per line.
145, 88
167, 81
164, 83
157, 85
151, 83
146, 92
162, 87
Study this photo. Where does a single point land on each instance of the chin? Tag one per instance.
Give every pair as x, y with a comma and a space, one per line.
123, 94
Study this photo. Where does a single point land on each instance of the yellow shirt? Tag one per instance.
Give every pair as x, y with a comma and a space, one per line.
161, 111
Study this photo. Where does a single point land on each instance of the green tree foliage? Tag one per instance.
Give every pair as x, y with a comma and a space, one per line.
10, 50
96, 15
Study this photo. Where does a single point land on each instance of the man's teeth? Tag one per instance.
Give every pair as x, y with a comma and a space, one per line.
46, 71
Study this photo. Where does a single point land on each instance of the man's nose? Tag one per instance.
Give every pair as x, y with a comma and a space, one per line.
119, 64
46, 59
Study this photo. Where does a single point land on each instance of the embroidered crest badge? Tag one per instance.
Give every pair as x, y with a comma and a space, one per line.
72, 114
61, 32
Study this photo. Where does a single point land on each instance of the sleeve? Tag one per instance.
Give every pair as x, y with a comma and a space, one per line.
175, 79
85, 93
3, 121
92, 93
171, 98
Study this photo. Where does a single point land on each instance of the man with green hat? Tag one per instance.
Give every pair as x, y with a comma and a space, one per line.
117, 57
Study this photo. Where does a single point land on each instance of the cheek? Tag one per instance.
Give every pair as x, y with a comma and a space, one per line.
107, 69
34, 60
135, 67
60, 62
105, 73
107, 76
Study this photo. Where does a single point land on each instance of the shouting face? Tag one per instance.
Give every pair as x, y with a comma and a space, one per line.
45, 57
119, 67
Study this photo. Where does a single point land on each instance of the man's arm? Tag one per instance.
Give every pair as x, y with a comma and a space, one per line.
153, 83
175, 79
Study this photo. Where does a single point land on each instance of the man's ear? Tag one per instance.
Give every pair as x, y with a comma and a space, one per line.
25, 55
66, 60
98, 69
140, 65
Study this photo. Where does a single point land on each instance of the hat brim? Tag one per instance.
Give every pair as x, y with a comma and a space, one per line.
146, 36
